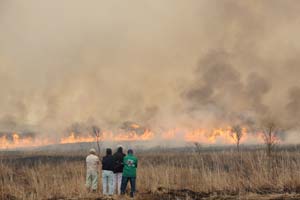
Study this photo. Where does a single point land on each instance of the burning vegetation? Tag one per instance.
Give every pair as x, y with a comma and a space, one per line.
130, 131
202, 73
10, 140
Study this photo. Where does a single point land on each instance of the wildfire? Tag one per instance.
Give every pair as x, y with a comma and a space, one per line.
76, 139
132, 136
214, 136
14, 140
109, 136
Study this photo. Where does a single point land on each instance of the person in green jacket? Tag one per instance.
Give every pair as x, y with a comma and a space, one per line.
129, 172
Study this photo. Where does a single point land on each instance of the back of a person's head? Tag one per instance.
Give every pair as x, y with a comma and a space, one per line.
92, 151
130, 151
108, 151
120, 150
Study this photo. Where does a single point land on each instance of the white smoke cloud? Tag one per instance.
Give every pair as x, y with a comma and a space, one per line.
150, 62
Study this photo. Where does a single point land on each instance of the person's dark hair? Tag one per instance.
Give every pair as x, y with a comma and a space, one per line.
108, 151
120, 150
130, 151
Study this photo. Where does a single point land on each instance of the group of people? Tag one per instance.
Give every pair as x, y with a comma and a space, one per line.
117, 170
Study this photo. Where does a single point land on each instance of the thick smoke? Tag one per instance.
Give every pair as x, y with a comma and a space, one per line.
159, 64
220, 91
293, 105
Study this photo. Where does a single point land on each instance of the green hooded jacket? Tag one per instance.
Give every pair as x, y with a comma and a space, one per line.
130, 164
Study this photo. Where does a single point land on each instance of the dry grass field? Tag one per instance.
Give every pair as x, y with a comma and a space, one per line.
161, 175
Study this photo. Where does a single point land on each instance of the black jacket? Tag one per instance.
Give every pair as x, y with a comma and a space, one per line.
118, 158
108, 163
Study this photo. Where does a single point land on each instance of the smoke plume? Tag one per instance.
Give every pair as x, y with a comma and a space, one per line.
161, 64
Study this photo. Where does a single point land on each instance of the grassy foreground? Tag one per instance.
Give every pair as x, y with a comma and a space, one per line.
160, 175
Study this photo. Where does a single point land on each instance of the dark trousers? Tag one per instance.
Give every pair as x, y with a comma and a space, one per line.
125, 182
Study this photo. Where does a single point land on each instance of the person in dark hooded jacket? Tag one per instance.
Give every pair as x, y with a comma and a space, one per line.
118, 169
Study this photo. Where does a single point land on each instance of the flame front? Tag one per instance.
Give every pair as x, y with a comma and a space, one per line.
109, 136
222, 135
16, 141
214, 136
76, 139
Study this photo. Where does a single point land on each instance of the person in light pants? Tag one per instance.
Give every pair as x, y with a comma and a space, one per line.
107, 180
107, 173
117, 183
118, 169
92, 165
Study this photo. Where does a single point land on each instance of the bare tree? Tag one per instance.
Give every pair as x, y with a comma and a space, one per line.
198, 147
270, 131
97, 133
237, 134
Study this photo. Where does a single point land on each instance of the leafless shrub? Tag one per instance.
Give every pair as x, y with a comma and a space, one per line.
270, 132
237, 134
198, 147
97, 133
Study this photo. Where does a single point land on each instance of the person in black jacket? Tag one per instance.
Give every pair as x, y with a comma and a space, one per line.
118, 169
108, 164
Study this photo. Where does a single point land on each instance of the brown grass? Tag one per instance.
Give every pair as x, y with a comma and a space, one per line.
206, 173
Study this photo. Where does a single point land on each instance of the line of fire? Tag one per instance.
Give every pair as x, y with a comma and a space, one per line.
129, 131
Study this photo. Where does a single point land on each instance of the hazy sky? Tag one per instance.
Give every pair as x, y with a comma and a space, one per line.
159, 63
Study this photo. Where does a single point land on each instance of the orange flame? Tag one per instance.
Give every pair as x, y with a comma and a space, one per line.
214, 136
132, 136
17, 141
76, 139
108, 136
